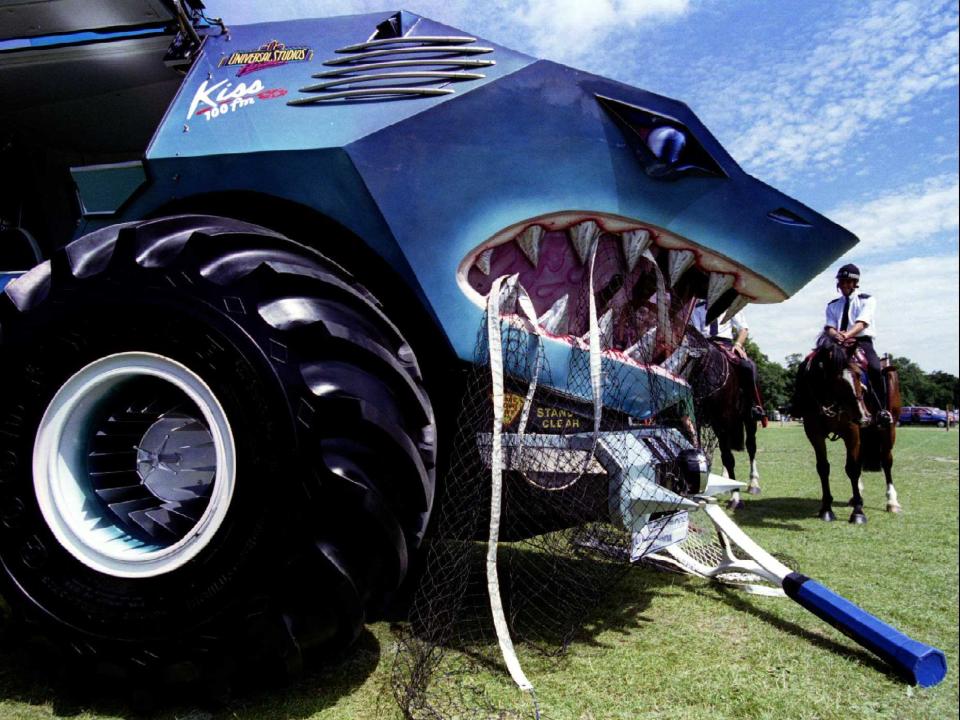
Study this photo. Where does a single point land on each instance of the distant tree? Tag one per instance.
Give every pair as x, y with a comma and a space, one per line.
943, 388
776, 383
913, 381
793, 361
936, 389
793, 366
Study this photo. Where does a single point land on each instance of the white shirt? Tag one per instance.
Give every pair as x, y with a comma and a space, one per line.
862, 308
698, 318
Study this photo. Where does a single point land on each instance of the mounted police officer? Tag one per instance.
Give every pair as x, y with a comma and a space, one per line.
850, 320
722, 333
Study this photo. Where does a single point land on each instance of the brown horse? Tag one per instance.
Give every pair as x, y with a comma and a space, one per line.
724, 403
830, 398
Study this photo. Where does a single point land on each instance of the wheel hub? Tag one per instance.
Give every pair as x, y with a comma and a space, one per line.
176, 458
134, 465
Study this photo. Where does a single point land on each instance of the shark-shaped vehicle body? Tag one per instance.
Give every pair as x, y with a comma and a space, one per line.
245, 268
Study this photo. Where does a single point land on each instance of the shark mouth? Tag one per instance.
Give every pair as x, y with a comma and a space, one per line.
646, 281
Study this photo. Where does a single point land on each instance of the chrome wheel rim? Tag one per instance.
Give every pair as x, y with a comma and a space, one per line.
134, 465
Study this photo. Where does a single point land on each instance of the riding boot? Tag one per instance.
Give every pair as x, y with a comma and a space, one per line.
878, 388
884, 417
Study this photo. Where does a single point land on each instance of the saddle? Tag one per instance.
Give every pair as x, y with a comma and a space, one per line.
857, 358
858, 361
728, 352
749, 394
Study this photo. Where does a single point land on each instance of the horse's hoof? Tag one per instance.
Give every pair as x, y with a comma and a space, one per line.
827, 515
735, 505
858, 518
754, 489
894, 507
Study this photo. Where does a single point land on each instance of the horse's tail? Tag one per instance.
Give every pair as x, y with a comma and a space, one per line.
870, 450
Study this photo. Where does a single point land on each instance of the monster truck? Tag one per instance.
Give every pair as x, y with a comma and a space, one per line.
244, 270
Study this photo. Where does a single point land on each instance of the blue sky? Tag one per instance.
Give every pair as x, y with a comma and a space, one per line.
848, 105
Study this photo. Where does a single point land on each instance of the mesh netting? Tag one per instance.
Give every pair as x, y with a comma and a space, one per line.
587, 484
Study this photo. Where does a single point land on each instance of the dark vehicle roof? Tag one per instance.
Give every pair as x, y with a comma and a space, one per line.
33, 19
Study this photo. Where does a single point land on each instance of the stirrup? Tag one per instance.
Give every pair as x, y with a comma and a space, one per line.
884, 419
757, 413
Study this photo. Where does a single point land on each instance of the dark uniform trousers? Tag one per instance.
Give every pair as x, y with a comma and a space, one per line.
874, 372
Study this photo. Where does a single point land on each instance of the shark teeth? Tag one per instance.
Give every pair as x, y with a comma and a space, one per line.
547, 255
680, 362
556, 320
483, 261
584, 237
642, 349
739, 303
680, 262
529, 242
717, 484
509, 293
663, 309
606, 329
718, 284
635, 243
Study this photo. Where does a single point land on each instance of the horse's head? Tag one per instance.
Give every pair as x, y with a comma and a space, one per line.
833, 379
830, 357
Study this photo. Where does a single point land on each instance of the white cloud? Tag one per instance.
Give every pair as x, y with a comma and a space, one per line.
918, 312
569, 30
918, 298
802, 111
903, 219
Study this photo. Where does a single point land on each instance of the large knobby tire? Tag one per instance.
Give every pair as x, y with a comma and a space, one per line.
213, 445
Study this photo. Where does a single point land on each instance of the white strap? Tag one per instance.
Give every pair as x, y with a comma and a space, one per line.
528, 316
596, 378
733, 531
496, 490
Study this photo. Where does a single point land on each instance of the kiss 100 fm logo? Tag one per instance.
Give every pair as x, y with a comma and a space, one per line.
270, 54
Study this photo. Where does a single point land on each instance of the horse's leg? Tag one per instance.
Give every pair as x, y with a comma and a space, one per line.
893, 503
861, 486
823, 469
852, 440
886, 462
751, 445
729, 463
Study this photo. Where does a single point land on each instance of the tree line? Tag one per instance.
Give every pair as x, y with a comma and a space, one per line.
935, 389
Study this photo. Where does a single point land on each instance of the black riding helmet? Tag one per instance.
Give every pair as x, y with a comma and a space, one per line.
848, 271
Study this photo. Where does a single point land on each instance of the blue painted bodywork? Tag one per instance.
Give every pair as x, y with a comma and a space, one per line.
6, 277
424, 180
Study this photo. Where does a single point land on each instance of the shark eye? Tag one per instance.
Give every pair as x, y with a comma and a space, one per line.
666, 143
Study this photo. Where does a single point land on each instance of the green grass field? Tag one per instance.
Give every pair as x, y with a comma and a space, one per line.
665, 646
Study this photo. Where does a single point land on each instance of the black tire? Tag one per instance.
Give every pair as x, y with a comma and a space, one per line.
332, 429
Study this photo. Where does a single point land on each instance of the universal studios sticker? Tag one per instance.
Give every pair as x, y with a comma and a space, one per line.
270, 54
658, 534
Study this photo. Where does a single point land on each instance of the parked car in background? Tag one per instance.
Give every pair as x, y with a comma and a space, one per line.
923, 416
